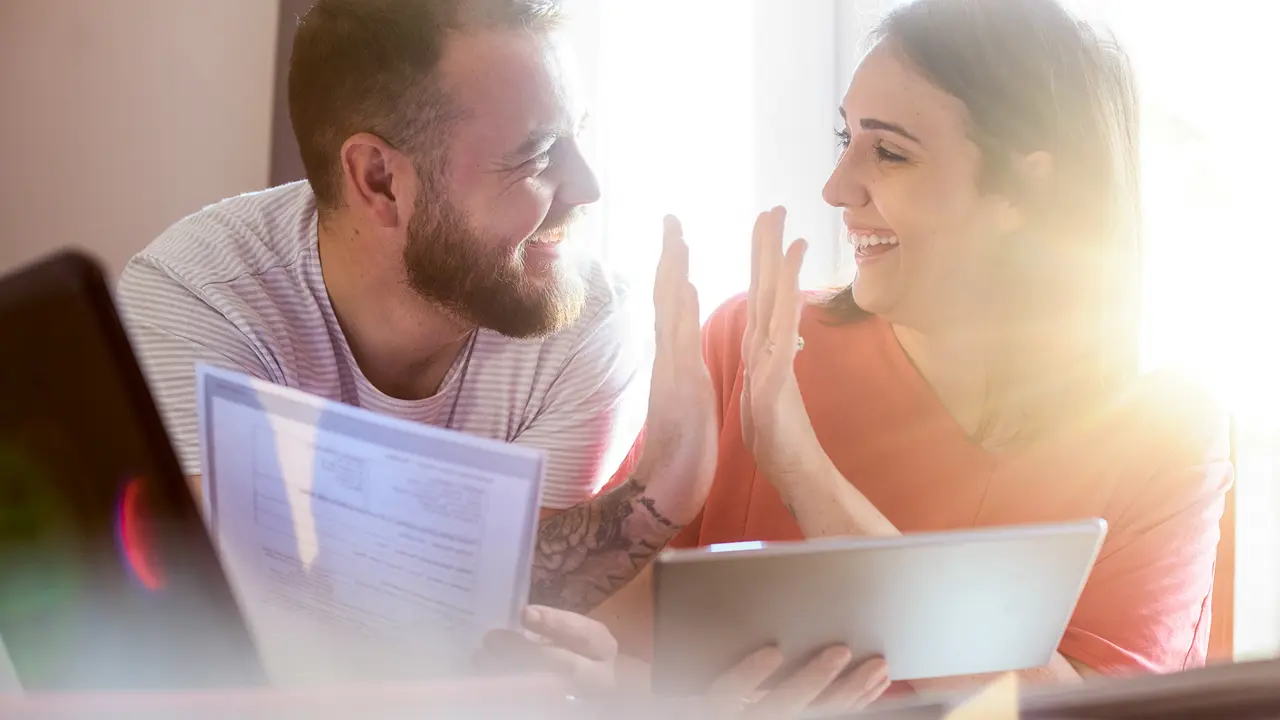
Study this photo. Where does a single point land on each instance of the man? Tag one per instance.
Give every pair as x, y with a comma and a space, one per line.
422, 272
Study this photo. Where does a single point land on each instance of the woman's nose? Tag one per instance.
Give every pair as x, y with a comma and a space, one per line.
845, 188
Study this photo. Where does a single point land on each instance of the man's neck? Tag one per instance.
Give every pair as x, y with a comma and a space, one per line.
403, 344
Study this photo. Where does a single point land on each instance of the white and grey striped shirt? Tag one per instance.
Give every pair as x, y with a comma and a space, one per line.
238, 285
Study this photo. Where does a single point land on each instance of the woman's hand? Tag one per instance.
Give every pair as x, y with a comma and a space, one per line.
821, 686
775, 425
583, 652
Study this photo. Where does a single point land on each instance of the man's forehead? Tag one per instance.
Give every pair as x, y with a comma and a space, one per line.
511, 82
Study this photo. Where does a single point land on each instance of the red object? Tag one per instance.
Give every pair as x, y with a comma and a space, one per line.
1155, 466
134, 541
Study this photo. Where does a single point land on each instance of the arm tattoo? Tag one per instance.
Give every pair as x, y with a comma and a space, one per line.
588, 552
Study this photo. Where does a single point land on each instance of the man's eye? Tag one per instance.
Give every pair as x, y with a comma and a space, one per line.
539, 162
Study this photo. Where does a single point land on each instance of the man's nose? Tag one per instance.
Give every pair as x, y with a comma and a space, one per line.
579, 185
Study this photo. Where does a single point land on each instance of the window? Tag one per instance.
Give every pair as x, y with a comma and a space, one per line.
711, 110
1211, 306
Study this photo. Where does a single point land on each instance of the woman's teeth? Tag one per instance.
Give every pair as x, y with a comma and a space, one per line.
867, 241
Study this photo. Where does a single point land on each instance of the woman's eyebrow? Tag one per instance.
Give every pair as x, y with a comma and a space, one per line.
874, 124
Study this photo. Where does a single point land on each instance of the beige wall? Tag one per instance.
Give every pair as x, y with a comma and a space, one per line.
118, 117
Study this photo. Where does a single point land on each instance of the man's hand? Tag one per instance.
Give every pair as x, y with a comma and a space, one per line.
583, 652
678, 462
821, 686
562, 643
587, 553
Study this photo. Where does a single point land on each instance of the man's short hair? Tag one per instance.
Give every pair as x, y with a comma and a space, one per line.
369, 66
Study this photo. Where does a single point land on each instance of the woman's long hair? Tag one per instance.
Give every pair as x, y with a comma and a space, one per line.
1035, 78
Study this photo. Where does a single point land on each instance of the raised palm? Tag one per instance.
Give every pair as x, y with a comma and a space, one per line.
680, 435
775, 426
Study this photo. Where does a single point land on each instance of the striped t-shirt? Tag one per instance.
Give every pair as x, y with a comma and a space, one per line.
238, 285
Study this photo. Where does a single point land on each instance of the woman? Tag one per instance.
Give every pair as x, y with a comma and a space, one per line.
981, 369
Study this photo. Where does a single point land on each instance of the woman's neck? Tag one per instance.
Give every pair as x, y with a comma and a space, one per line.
959, 366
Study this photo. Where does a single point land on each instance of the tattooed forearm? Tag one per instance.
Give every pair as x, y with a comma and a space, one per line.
588, 552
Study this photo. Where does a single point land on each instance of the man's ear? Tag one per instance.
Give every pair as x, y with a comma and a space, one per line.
1031, 175
379, 181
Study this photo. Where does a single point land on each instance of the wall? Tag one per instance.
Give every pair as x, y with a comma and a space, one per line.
118, 118
286, 162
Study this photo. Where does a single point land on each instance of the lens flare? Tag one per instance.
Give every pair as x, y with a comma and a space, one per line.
133, 540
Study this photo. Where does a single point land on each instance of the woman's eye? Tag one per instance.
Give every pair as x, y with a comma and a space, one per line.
886, 155
843, 138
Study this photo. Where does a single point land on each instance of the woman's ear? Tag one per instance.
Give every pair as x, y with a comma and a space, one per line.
1031, 177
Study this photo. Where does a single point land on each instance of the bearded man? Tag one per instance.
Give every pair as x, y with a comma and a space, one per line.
423, 270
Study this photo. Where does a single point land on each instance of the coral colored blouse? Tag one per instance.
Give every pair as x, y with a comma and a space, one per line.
1155, 466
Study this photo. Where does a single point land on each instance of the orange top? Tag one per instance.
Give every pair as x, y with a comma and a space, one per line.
1155, 467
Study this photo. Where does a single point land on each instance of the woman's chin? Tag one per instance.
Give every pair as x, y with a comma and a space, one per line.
872, 296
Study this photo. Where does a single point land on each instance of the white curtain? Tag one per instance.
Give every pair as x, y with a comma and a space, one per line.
717, 109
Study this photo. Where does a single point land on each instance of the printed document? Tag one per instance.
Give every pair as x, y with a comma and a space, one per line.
362, 547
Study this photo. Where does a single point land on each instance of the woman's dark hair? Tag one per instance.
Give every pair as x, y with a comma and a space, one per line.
1035, 78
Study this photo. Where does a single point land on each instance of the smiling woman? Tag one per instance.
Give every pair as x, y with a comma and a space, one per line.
982, 367
1039, 246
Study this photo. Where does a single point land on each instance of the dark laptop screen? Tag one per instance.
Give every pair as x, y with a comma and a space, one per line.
107, 576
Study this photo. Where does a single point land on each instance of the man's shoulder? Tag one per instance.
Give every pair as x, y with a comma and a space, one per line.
610, 304
606, 287
246, 235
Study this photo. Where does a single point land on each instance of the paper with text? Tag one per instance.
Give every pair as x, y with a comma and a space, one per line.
362, 547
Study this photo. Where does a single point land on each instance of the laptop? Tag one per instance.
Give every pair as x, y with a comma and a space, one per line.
108, 577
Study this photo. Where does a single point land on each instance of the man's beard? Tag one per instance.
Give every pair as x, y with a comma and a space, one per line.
480, 281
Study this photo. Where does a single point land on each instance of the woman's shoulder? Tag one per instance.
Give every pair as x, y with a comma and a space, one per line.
1170, 452
728, 322
1176, 413
827, 338
1165, 442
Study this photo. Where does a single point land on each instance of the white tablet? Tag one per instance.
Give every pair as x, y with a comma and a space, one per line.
933, 605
